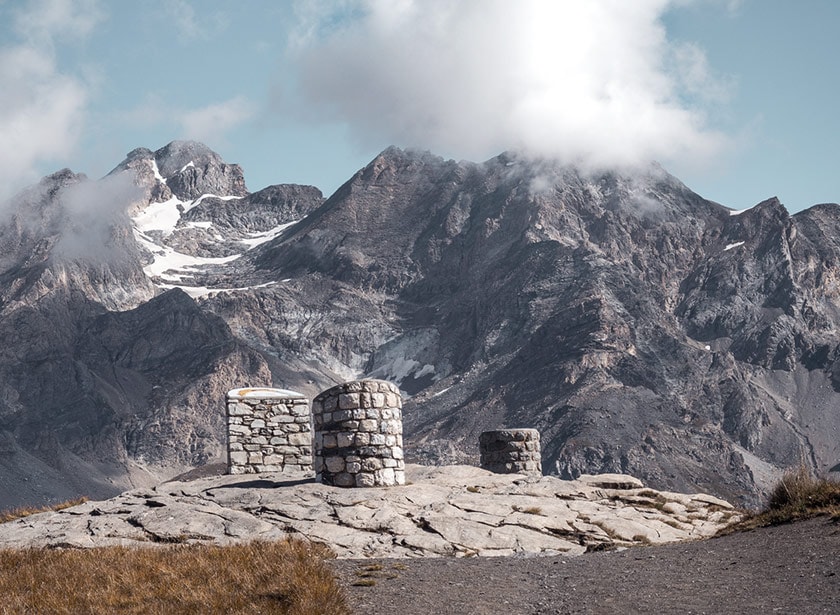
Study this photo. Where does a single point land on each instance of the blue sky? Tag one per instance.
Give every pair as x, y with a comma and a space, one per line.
736, 98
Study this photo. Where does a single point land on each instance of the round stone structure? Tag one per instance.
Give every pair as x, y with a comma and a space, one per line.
511, 451
358, 435
269, 430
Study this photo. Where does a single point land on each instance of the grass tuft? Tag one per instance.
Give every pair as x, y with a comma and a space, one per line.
287, 577
20, 513
798, 495
528, 510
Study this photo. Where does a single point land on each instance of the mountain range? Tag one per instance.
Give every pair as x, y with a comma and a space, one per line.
640, 327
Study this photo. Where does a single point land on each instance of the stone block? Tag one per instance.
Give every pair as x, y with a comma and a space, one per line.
239, 409
348, 401
385, 476
299, 411
342, 415
334, 464
238, 457
361, 439
368, 425
300, 439
365, 479
344, 479
330, 403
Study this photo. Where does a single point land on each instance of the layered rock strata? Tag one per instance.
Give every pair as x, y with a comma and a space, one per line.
268, 431
358, 435
511, 451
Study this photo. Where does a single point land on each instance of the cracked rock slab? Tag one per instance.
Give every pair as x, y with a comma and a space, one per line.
443, 511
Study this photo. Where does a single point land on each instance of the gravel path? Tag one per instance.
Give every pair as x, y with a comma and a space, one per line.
793, 568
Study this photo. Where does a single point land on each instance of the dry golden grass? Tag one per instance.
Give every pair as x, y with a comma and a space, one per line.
287, 577
798, 495
18, 513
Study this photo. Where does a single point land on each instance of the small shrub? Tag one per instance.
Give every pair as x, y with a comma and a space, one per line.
528, 510
473, 489
801, 492
641, 539
798, 495
373, 568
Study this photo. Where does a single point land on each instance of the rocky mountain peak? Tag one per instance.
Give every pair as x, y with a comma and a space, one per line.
185, 169
640, 327
192, 169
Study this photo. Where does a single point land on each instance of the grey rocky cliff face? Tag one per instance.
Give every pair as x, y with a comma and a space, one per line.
640, 328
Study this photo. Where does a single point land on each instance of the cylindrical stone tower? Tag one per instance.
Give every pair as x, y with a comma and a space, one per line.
269, 430
358, 435
511, 451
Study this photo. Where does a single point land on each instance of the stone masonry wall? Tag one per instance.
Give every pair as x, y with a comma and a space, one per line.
269, 430
507, 451
358, 435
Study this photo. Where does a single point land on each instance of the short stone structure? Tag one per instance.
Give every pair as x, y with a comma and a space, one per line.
507, 451
358, 435
269, 430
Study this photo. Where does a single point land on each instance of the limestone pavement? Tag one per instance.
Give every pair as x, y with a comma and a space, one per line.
441, 511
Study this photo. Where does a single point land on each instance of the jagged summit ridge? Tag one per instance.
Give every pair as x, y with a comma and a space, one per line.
641, 328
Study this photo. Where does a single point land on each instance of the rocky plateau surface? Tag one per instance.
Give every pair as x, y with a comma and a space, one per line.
441, 511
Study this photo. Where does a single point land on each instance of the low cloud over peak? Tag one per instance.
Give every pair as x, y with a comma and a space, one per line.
594, 83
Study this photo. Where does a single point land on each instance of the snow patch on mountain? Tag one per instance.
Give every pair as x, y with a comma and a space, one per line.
257, 239
173, 265
162, 216
202, 292
156, 171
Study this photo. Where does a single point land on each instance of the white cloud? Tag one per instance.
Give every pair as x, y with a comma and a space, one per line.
211, 123
592, 82
42, 110
42, 21
191, 24
91, 209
